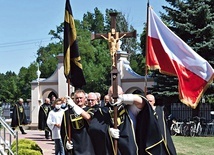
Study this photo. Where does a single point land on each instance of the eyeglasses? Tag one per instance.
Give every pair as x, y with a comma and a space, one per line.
90, 100
78, 98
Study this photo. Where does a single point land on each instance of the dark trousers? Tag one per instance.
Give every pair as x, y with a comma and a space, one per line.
21, 129
47, 132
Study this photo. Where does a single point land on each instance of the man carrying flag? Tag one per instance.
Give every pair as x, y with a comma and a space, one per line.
72, 66
73, 72
172, 56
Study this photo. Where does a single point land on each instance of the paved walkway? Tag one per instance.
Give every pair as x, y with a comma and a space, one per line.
39, 137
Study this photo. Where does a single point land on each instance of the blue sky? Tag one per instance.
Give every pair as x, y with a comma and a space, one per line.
25, 24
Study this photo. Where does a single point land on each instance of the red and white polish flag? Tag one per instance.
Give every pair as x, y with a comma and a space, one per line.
172, 56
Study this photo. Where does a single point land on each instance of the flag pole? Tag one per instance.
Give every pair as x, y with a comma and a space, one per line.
69, 123
69, 83
146, 67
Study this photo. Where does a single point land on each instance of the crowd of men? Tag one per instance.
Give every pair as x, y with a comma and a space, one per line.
83, 125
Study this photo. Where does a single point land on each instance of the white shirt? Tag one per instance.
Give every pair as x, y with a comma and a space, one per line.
133, 111
55, 117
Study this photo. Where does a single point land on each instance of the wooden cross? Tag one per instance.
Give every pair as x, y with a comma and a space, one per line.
113, 37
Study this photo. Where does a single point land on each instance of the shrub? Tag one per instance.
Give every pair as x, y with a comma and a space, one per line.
27, 147
28, 152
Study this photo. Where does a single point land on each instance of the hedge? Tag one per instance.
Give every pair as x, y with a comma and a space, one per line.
27, 147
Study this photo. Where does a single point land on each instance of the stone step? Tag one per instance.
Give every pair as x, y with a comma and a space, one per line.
32, 126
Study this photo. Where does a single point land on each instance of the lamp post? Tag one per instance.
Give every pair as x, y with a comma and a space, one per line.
38, 72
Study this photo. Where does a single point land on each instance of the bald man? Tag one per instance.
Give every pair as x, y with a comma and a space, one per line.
156, 132
101, 128
151, 100
134, 103
19, 117
106, 100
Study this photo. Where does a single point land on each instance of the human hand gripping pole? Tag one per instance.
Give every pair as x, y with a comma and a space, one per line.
127, 99
75, 107
115, 133
69, 145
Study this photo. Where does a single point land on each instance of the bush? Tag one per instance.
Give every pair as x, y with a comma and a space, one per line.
27, 147
28, 152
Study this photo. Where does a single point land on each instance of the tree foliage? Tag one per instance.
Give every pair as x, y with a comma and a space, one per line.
98, 65
8, 86
25, 77
47, 58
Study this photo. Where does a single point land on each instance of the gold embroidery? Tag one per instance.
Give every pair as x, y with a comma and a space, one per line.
21, 109
120, 117
77, 121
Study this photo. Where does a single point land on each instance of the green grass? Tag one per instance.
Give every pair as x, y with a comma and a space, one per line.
193, 145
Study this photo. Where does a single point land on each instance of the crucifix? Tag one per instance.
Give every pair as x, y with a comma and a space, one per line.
113, 37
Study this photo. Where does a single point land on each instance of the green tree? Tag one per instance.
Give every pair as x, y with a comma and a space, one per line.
58, 33
47, 58
165, 88
9, 87
98, 60
94, 55
137, 63
130, 45
26, 76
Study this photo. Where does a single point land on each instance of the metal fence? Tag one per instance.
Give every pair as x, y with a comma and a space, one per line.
178, 110
182, 112
7, 110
